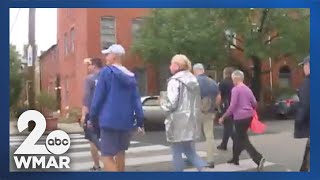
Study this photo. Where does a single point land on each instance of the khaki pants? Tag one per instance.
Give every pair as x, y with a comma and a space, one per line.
208, 129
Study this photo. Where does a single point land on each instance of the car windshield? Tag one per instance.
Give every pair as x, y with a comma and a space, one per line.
152, 102
287, 96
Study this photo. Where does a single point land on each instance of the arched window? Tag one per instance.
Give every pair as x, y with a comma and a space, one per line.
284, 77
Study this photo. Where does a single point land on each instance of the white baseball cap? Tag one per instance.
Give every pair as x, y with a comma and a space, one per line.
114, 48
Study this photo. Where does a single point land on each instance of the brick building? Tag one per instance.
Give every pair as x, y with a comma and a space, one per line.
83, 33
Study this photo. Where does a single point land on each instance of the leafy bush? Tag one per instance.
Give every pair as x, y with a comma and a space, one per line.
46, 102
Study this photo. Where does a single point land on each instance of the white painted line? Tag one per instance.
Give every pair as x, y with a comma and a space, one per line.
134, 142
245, 164
144, 149
78, 146
15, 143
154, 159
147, 160
43, 141
87, 145
17, 139
147, 149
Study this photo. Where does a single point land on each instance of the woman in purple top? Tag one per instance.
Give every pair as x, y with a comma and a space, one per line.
242, 107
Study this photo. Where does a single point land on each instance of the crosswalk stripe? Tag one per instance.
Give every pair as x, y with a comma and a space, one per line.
18, 139
73, 146
144, 149
43, 141
81, 159
244, 165
87, 145
134, 161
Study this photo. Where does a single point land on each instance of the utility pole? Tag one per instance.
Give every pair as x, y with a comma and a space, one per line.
32, 55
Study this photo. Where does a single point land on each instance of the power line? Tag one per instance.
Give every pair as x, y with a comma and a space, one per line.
15, 20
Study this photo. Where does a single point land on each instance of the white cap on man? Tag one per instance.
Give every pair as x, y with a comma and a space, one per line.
114, 48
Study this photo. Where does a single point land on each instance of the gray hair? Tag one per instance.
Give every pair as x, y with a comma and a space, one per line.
198, 66
237, 74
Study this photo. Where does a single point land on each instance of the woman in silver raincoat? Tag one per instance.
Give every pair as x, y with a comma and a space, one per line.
182, 103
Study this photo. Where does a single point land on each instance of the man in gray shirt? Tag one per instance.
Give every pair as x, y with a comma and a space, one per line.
92, 134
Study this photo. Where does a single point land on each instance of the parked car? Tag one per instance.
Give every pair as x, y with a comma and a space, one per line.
154, 116
286, 105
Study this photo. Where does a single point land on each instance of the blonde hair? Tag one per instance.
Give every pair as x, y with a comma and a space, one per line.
182, 61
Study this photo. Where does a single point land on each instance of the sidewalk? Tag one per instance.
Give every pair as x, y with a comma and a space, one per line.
71, 128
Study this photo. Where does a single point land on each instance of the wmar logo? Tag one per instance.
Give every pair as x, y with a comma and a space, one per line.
57, 143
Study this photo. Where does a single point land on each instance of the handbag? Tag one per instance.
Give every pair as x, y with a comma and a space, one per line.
256, 125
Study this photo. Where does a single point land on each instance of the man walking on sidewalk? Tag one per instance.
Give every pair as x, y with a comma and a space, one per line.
302, 121
209, 93
225, 88
92, 135
117, 105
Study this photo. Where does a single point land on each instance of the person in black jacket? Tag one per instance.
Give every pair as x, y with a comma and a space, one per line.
225, 88
302, 120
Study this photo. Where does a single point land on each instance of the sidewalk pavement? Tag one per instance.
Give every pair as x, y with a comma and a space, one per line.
70, 128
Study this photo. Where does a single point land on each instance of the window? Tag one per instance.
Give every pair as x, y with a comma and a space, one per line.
136, 27
231, 37
72, 38
234, 41
284, 77
107, 31
66, 44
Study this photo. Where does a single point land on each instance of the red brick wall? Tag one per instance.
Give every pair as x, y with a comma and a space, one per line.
123, 19
49, 65
72, 69
86, 23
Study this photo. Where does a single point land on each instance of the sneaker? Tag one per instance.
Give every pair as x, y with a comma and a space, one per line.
232, 161
222, 148
210, 165
261, 164
95, 168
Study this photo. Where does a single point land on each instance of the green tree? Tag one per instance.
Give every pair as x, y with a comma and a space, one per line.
16, 77
207, 35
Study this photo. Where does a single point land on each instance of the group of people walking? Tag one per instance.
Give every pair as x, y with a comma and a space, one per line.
191, 103
112, 111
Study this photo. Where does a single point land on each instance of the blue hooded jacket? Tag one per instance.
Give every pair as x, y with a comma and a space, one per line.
116, 102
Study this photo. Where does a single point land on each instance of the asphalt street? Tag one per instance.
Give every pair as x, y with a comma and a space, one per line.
151, 152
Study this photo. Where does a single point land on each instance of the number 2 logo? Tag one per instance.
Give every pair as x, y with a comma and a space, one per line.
29, 145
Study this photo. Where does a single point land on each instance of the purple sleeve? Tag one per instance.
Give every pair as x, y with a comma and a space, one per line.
233, 103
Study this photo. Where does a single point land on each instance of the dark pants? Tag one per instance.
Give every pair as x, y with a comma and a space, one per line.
305, 167
92, 133
242, 142
227, 132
